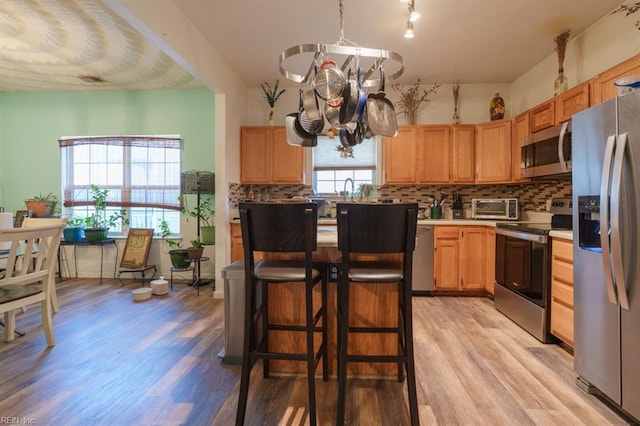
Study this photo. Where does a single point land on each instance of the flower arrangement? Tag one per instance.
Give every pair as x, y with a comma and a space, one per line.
271, 95
629, 9
561, 45
412, 99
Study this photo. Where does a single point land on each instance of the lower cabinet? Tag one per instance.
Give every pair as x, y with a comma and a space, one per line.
460, 258
562, 290
237, 249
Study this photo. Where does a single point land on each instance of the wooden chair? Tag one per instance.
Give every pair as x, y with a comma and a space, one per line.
29, 274
281, 228
377, 229
31, 222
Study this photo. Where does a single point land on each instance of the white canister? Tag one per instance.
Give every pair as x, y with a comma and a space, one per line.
141, 294
160, 286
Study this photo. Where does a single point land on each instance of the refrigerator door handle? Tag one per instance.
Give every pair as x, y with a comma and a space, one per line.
561, 160
616, 243
604, 219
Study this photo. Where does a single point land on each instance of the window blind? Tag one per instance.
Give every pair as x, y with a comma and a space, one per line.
326, 157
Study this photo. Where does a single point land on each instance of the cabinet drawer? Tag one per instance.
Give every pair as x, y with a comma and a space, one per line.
562, 322
562, 292
563, 249
562, 271
446, 232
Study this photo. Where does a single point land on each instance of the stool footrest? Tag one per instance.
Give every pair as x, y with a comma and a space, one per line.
377, 358
394, 330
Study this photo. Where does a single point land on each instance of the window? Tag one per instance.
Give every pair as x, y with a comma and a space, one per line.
142, 174
330, 170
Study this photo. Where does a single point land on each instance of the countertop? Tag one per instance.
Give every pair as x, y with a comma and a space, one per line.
567, 235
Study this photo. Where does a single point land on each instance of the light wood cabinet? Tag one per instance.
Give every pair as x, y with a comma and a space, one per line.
265, 156
520, 131
460, 258
491, 259
562, 290
493, 152
463, 141
570, 102
429, 154
542, 116
400, 156
602, 88
434, 154
237, 247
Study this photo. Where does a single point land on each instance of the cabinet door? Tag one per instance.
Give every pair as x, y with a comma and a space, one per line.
287, 161
463, 154
542, 116
447, 259
491, 260
602, 88
493, 151
571, 102
434, 154
255, 160
473, 259
400, 156
237, 248
520, 131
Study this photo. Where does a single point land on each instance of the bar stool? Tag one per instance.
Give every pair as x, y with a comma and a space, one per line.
281, 228
377, 229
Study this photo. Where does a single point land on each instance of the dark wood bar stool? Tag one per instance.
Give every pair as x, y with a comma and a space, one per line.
377, 229
281, 228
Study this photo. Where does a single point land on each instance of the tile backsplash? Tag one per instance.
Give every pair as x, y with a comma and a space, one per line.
532, 196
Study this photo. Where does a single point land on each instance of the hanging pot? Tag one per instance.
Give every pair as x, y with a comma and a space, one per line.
293, 138
381, 113
329, 81
306, 127
350, 95
310, 102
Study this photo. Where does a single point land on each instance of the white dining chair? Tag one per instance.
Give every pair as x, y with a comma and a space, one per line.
30, 222
28, 277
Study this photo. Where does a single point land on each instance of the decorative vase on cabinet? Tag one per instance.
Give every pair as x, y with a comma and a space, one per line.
496, 108
561, 84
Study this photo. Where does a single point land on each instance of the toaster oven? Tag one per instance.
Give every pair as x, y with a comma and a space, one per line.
494, 208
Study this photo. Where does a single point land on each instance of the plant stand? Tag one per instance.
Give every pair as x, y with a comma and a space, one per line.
194, 267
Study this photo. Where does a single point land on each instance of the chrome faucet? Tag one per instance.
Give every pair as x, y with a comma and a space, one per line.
344, 193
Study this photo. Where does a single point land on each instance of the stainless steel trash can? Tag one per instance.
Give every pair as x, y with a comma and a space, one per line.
233, 275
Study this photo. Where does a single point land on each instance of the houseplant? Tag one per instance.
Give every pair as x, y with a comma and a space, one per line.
204, 212
42, 205
97, 224
73, 232
179, 256
196, 249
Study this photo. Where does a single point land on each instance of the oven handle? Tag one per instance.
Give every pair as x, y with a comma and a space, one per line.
604, 218
616, 243
527, 236
561, 160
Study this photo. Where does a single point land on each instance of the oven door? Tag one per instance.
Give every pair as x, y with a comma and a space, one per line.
522, 264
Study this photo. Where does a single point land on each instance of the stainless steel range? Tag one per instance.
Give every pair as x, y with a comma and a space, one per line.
523, 270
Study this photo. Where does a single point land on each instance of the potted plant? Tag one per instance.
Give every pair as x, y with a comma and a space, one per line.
74, 232
365, 190
97, 224
204, 212
42, 205
196, 249
179, 256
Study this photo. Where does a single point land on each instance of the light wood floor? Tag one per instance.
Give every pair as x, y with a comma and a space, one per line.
117, 362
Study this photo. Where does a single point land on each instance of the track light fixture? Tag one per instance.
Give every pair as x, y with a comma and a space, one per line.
409, 31
414, 15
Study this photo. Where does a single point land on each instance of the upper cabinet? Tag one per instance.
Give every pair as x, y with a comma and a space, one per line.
541, 116
430, 154
400, 156
570, 102
602, 88
520, 131
265, 156
493, 151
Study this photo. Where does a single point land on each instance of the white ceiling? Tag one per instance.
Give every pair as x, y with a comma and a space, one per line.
47, 44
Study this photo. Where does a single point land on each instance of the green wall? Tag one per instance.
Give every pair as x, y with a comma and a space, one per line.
32, 123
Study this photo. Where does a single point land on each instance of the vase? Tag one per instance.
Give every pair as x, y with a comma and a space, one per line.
271, 120
496, 108
561, 84
412, 117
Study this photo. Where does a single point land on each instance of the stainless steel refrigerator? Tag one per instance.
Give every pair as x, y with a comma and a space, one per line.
606, 223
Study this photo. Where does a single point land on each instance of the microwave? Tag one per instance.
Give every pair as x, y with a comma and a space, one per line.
494, 208
547, 152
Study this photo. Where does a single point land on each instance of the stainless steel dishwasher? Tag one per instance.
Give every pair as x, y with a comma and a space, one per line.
423, 262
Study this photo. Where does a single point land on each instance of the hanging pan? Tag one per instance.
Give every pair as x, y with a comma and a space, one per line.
381, 113
307, 127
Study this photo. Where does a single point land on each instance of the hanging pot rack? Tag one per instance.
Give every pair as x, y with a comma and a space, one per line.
343, 48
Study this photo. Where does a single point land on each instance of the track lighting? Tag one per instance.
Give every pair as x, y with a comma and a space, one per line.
409, 31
